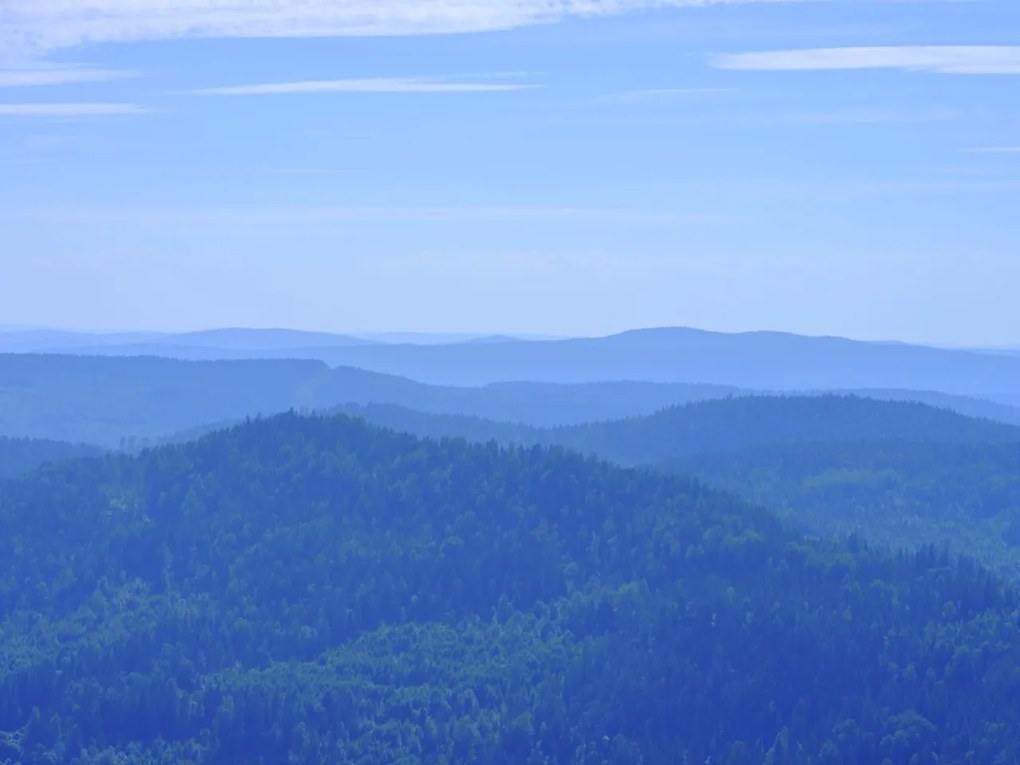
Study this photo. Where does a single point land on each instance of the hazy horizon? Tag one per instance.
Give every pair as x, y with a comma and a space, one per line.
826, 168
461, 334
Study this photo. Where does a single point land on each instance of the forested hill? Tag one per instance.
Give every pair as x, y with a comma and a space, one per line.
21, 455
894, 493
316, 590
133, 402
735, 423
719, 425
901, 475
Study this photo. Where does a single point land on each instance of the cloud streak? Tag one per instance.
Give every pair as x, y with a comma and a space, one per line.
943, 59
42, 25
308, 216
42, 75
69, 110
995, 150
373, 85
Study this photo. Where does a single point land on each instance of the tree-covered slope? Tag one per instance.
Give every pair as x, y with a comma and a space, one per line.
316, 590
719, 425
968, 406
899, 474
740, 422
21, 455
899, 494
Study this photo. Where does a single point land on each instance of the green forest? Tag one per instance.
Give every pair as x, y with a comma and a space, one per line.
901, 475
896, 493
316, 589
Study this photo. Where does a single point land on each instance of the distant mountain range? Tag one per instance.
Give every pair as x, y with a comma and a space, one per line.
756, 360
760, 361
107, 401
220, 344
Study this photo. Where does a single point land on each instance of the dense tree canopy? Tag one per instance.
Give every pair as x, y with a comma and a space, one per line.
903, 475
317, 590
894, 493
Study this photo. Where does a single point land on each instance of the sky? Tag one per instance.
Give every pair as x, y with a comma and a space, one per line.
569, 167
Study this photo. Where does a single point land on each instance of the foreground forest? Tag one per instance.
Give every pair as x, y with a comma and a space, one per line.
318, 590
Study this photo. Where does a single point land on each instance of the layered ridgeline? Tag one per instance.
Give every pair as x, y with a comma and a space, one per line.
754, 360
316, 590
132, 402
717, 426
22, 455
899, 474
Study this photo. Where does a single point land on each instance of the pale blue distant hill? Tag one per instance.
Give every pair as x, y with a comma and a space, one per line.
760, 361
755, 360
40, 340
259, 339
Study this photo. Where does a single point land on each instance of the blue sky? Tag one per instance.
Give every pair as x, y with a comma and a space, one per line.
579, 167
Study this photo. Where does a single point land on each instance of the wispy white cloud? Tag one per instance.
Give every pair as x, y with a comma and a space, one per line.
51, 24
373, 85
995, 150
944, 59
655, 92
38, 74
290, 216
650, 94
302, 171
867, 116
69, 110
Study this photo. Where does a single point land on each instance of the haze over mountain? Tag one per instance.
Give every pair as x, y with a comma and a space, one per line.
41, 340
763, 361
219, 344
255, 340
758, 360
113, 401
23, 455
106, 401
